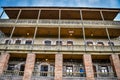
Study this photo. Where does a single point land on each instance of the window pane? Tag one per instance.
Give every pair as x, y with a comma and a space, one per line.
111, 43
28, 42
69, 42
7, 41
58, 42
100, 43
47, 42
89, 43
18, 42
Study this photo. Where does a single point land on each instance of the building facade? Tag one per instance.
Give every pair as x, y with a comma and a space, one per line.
59, 43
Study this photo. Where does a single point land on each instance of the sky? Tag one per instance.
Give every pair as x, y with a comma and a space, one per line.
63, 3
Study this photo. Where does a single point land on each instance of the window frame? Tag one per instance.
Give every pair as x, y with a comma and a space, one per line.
89, 43
18, 40
28, 43
7, 41
69, 44
48, 44
111, 43
59, 42
100, 43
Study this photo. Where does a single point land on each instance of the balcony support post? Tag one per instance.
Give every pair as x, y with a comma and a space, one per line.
14, 27
36, 28
29, 66
59, 29
2, 14
4, 58
83, 29
108, 35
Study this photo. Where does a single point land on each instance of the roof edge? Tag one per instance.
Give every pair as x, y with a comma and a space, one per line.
60, 7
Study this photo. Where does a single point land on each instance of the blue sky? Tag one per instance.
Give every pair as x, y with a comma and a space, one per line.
68, 3
75, 3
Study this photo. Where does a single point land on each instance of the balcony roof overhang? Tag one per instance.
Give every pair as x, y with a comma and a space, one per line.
66, 12
64, 32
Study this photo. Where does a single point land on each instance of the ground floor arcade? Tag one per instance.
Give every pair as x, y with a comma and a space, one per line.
31, 66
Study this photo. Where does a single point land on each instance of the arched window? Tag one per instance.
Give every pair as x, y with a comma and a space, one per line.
58, 42
28, 42
100, 43
89, 43
7, 41
110, 43
47, 42
69, 42
17, 41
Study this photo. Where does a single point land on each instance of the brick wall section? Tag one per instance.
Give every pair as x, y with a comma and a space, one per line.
58, 66
88, 67
29, 66
115, 61
4, 58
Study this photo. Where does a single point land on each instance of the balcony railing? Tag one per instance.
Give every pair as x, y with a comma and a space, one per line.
74, 76
77, 23
11, 75
43, 75
37, 47
105, 76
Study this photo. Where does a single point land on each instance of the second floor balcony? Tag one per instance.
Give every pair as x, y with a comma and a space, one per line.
55, 48
62, 23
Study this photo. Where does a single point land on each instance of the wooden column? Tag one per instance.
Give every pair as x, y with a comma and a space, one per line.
88, 67
115, 61
4, 58
58, 66
29, 66
1, 14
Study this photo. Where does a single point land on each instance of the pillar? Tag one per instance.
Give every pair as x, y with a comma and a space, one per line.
88, 67
58, 66
4, 58
115, 61
29, 66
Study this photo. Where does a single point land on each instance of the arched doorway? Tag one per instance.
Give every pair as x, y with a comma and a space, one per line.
22, 67
44, 69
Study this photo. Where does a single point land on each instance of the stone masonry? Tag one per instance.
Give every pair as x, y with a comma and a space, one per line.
29, 66
58, 66
116, 64
88, 67
4, 58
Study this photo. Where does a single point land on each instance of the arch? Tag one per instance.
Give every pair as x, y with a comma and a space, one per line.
89, 43
18, 41
42, 68
47, 42
100, 43
111, 43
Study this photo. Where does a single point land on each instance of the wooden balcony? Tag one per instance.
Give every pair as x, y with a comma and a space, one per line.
56, 48
62, 23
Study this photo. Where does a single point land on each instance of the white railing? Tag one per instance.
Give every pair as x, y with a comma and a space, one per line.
38, 47
43, 73
12, 75
74, 74
62, 22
